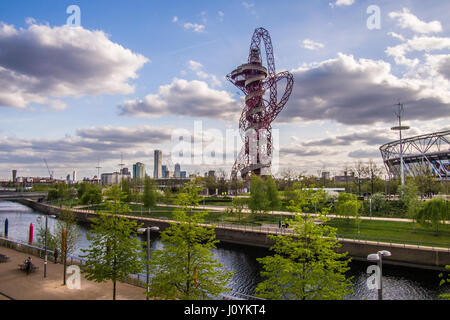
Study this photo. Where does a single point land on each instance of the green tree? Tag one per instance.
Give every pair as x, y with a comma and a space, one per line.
348, 205
239, 205
93, 195
115, 252
443, 281
126, 189
258, 201
66, 220
185, 267
149, 197
409, 194
306, 265
272, 194
434, 213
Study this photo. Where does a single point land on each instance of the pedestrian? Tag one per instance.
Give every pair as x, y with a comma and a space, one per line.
55, 254
28, 265
279, 224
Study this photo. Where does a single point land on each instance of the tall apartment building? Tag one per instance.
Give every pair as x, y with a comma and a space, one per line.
177, 173
138, 170
157, 170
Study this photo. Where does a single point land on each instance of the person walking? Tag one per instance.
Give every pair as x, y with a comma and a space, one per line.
55, 255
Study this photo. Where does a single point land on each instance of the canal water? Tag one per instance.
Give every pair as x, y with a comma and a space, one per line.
399, 283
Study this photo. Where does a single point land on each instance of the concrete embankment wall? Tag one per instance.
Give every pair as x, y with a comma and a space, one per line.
405, 255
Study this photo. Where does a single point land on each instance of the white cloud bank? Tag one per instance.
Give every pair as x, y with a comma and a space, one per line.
43, 64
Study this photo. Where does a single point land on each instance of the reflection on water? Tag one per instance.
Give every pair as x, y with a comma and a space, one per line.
399, 283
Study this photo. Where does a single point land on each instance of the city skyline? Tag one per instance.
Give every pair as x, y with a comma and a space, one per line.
132, 73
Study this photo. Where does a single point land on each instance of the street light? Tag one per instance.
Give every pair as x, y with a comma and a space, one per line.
45, 244
399, 128
148, 229
378, 257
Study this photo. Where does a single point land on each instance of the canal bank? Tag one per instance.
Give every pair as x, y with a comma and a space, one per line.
432, 258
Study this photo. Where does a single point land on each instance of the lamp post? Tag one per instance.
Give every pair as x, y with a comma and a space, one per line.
148, 229
45, 244
399, 128
378, 257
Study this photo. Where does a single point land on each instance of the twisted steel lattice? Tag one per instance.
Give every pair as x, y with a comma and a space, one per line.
255, 80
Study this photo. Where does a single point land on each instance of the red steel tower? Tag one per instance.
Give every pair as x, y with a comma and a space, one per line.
259, 85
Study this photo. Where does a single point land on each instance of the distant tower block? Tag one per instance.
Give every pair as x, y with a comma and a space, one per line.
255, 124
158, 165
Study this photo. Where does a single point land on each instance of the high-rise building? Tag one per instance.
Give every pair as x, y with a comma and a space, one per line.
177, 173
157, 171
183, 175
14, 175
164, 172
74, 176
138, 170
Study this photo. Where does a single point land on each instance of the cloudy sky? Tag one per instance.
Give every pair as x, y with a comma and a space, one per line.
136, 75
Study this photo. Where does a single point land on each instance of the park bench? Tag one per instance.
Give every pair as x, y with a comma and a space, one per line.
3, 258
23, 267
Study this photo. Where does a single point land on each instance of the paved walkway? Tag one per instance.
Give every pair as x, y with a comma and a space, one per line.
17, 285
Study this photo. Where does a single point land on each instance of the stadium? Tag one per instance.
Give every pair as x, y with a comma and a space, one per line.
429, 152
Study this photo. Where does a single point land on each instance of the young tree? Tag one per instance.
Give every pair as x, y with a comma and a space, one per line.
348, 205
93, 195
434, 213
258, 201
185, 267
115, 251
239, 204
66, 220
149, 197
306, 265
272, 195
409, 194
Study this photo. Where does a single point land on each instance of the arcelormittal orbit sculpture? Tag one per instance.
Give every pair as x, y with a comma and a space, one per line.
255, 81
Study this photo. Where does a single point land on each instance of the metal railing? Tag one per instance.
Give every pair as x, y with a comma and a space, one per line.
138, 279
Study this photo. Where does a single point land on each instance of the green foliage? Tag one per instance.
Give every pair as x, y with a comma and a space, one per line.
379, 203
92, 195
409, 193
258, 201
149, 197
115, 251
185, 268
305, 265
238, 205
66, 220
126, 189
434, 213
52, 195
348, 205
272, 195
444, 281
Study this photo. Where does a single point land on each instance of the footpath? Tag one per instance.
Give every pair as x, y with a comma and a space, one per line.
18, 285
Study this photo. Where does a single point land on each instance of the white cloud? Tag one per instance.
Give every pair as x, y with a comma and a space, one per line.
194, 26
197, 68
186, 98
312, 45
175, 19
361, 92
248, 5
344, 2
221, 15
194, 65
406, 20
44, 64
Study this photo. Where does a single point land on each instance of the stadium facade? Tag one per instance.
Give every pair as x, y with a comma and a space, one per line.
429, 152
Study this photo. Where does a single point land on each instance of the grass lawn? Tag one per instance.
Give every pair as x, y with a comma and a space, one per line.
397, 232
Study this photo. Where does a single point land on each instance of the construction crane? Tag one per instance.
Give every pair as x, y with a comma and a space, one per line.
49, 172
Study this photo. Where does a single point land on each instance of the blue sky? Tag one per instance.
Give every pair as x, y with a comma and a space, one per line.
177, 54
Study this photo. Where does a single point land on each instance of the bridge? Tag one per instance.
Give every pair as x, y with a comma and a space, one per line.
9, 196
